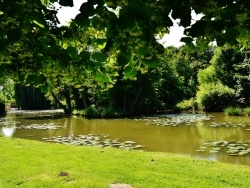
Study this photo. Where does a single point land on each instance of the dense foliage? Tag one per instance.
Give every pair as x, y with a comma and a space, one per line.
106, 57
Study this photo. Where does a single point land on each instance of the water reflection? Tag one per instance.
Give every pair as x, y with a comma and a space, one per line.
8, 128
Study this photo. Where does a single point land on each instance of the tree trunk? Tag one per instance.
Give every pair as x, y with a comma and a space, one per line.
68, 99
64, 107
136, 98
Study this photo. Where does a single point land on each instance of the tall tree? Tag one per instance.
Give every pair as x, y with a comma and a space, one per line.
33, 48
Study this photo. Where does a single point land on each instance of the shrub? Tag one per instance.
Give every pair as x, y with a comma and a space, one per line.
91, 112
233, 111
95, 112
187, 104
107, 112
246, 111
215, 97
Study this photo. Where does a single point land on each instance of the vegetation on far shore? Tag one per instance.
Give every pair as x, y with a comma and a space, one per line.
26, 163
107, 61
237, 111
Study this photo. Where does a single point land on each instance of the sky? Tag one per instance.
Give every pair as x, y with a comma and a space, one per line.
171, 39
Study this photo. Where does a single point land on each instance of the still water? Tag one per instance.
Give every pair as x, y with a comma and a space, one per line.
185, 137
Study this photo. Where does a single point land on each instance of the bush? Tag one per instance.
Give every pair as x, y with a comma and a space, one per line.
103, 112
233, 111
215, 97
91, 112
246, 111
187, 104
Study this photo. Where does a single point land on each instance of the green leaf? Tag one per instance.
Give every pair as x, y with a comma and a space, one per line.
101, 43
98, 56
87, 9
129, 72
72, 51
185, 19
108, 79
191, 46
30, 78
97, 76
85, 55
82, 20
97, 23
123, 59
143, 51
102, 77
94, 2
187, 39
66, 3
197, 29
40, 79
126, 21
90, 65
151, 61
94, 64
45, 88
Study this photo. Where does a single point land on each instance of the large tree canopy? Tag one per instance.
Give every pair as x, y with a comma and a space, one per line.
130, 27
107, 39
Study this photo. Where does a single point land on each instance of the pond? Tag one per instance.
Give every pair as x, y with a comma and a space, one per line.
208, 136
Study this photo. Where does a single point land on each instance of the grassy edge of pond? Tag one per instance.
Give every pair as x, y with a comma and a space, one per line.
26, 163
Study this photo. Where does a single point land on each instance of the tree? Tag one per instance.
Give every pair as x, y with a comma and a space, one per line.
232, 68
34, 50
227, 74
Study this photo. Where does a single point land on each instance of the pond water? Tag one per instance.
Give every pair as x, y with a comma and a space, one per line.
208, 136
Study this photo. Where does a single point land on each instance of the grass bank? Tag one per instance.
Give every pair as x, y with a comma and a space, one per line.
32, 164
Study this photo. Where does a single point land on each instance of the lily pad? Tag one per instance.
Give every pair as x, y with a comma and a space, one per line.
93, 140
232, 147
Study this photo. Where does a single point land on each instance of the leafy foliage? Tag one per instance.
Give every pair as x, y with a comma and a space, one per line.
215, 97
232, 111
113, 40
232, 69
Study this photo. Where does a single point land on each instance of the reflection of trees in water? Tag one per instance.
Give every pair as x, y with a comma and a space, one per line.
223, 133
70, 127
66, 128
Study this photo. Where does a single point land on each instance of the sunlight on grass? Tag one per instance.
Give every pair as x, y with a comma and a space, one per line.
34, 164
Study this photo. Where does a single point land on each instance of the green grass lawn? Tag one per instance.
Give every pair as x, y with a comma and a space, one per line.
26, 163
